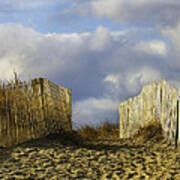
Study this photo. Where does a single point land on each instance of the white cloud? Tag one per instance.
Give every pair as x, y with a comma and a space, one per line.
35, 52
146, 75
7, 67
130, 83
75, 36
112, 78
117, 35
100, 39
157, 47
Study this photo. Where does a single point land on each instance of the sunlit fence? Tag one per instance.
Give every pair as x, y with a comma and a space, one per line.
158, 102
30, 110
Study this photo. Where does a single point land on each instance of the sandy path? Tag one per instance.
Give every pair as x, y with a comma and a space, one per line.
49, 159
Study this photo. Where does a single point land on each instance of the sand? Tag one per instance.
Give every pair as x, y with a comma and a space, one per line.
100, 159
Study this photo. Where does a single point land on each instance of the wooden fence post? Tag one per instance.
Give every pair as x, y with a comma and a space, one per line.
177, 125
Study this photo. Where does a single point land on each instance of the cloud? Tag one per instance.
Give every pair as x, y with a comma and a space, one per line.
172, 34
157, 47
158, 12
100, 39
94, 111
102, 67
111, 78
123, 85
6, 64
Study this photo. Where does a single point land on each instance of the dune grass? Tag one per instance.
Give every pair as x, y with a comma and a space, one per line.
151, 132
105, 130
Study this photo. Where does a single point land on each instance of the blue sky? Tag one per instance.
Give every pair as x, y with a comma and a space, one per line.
104, 50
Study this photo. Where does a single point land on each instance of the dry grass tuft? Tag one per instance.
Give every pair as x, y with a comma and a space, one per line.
106, 130
87, 132
151, 132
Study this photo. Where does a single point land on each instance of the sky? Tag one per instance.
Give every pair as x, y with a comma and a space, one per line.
104, 50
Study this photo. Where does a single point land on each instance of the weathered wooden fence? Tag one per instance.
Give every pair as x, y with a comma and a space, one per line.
30, 110
157, 102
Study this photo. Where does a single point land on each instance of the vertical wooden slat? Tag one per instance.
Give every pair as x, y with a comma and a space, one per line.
8, 114
177, 127
6, 120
